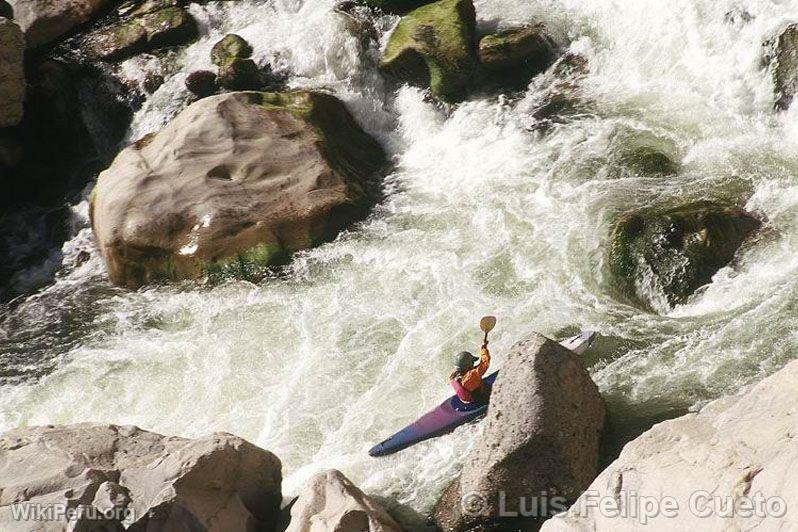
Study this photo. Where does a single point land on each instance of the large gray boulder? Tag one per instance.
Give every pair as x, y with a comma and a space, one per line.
44, 21
730, 466
234, 183
12, 81
541, 440
331, 503
220, 483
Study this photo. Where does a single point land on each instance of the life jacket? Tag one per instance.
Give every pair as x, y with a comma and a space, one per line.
464, 394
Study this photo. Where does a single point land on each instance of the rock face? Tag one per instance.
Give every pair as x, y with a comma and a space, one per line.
220, 483
678, 249
235, 181
12, 83
44, 21
730, 466
516, 55
434, 46
541, 439
331, 503
782, 54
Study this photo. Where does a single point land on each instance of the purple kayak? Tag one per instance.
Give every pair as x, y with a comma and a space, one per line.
453, 412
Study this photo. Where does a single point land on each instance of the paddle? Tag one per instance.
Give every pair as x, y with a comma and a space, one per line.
487, 324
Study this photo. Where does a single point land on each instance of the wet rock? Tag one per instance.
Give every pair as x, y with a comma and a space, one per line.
781, 53
678, 249
152, 82
128, 36
12, 82
233, 184
558, 97
541, 439
732, 453
330, 502
512, 57
239, 74
396, 6
434, 46
6, 11
44, 21
202, 83
228, 49
220, 483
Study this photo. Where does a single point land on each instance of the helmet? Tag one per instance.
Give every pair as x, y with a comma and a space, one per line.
464, 360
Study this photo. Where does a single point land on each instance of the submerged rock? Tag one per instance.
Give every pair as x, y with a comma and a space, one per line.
12, 82
515, 55
434, 46
44, 21
648, 161
540, 442
229, 48
233, 184
730, 466
143, 32
331, 503
782, 55
679, 249
220, 483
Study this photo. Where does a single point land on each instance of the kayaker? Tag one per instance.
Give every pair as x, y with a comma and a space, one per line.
466, 379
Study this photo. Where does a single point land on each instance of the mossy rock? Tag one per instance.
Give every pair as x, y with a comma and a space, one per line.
396, 6
514, 56
434, 46
129, 36
229, 48
679, 249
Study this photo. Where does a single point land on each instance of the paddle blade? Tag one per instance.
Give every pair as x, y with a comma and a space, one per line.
487, 323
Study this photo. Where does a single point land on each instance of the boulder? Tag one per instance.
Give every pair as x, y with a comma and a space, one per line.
229, 48
202, 83
677, 249
514, 56
239, 74
782, 56
233, 184
647, 160
12, 83
540, 442
220, 483
6, 11
434, 46
45, 21
729, 466
331, 503
396, 6
142, 32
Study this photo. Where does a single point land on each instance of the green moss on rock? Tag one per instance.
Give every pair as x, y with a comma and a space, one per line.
681, 248
434, 46
229, 48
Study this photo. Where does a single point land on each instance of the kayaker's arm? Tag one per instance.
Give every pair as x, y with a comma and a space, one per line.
484, 360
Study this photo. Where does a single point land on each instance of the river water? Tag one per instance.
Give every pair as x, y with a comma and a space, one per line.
482, 215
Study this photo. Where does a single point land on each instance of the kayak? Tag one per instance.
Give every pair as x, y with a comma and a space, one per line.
453, 412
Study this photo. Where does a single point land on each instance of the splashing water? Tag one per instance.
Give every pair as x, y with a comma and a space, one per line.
481, 216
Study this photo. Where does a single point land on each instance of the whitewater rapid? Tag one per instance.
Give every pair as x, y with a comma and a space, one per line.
481, 215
